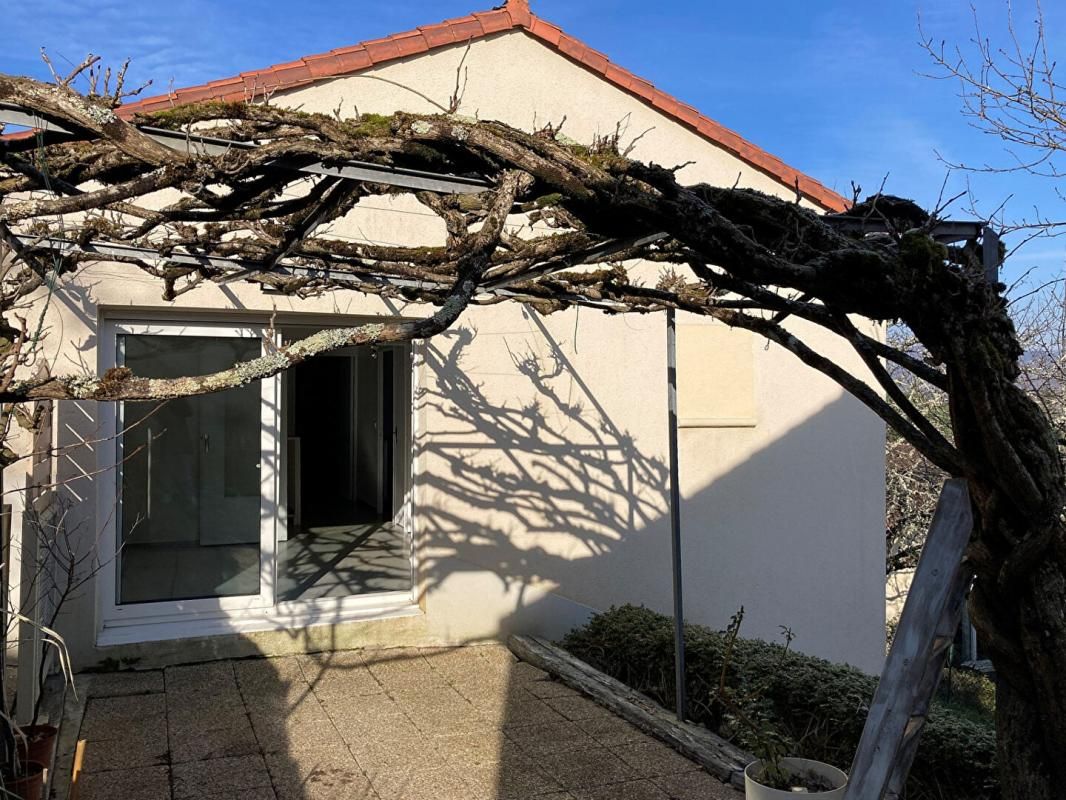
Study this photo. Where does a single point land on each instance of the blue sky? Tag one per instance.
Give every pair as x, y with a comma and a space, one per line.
834, 88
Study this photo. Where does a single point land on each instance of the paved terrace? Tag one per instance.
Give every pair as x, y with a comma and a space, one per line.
466, 723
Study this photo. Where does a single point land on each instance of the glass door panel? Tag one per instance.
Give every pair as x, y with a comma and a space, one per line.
190, 501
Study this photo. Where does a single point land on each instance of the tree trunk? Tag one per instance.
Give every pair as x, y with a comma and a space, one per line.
1018, 552
1030, 697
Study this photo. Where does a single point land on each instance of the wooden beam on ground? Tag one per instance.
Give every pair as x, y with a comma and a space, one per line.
914, 664
707, 749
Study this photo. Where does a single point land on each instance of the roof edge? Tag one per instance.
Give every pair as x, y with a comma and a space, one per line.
514, 15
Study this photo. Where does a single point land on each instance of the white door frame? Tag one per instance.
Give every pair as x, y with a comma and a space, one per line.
117, 624
111, 612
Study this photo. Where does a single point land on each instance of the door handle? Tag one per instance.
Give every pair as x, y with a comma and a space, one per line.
206, 439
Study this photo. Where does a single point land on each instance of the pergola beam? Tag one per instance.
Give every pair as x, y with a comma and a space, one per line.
342, 272
946, 232
200, 144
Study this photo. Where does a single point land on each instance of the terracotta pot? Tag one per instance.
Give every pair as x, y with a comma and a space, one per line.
39, 743
753, 790
31, 785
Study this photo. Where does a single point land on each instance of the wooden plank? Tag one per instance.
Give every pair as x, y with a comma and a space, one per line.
949, 623
707, 749
912, 668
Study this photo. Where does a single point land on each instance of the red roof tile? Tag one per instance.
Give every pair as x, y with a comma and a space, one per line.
11, 137
514, 15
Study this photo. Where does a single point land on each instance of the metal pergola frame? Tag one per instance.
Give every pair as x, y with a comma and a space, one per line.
201, 144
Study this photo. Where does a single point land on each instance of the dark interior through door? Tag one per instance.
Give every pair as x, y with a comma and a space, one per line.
323, 420
341, 464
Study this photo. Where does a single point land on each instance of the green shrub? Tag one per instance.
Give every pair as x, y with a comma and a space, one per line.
818, 706
969, 692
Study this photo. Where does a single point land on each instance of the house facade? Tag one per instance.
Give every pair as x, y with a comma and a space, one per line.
509, 475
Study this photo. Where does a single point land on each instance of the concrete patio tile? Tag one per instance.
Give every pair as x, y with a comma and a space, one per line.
483, 747
500, 667
253, 671
258, 793
198, 778
575, 708
357, 727
410, 698
146, 783
366, 708
485, 684
455, 663
491, 693
442, 721
584, 768
439, 784
519, 710
209, 702
547, 687
611, 730
631, 790
414, 755
354, 681
145, 749
108, 717
552, 737
513, 778
332, 776
191, 744
269, 676
404, 668
654, 759
120, 684
696, 786
376, 656
521, 673
213, 678
281, 731
316, 664
433, 723
189, 717
496, 653
261, 688
294, 698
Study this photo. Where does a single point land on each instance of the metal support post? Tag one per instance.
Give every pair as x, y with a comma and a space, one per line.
675, 517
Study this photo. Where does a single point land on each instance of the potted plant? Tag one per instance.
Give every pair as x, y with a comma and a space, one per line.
27, 784
773, 775
61, 571
26, 752
37, 742
788, 777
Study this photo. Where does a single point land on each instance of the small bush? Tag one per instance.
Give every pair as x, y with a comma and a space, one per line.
818, 706
971, 693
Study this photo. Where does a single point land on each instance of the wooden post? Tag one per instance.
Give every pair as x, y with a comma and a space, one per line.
912, 670
990, 254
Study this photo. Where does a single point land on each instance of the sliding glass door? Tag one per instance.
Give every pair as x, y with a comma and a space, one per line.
190, 512
195, 521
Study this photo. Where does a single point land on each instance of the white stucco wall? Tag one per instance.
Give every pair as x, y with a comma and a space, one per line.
540, 451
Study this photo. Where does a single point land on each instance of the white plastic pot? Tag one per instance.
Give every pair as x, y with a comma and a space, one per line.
753, 790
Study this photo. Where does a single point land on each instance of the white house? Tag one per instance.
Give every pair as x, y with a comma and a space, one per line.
509, 475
